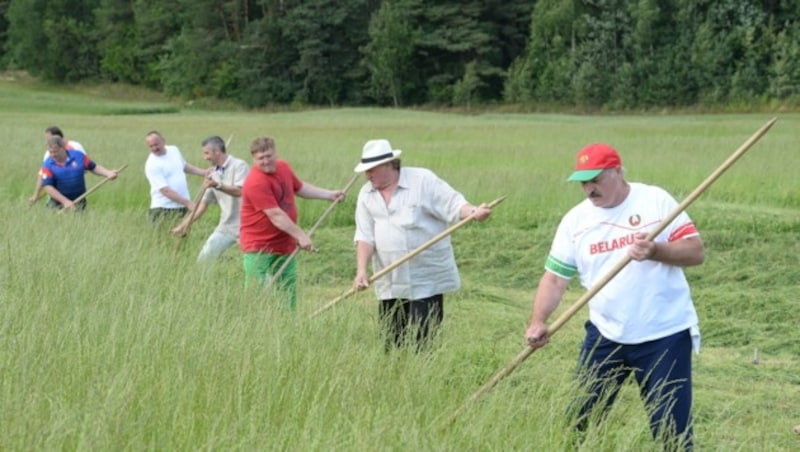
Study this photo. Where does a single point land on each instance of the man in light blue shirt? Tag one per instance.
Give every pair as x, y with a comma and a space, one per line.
396, 212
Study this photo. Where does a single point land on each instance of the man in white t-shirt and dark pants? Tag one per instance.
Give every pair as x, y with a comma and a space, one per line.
165, 170
643, 321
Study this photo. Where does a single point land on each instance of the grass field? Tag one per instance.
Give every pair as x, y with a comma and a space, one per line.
112, 338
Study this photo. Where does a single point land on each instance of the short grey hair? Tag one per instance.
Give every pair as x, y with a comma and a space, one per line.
214, 142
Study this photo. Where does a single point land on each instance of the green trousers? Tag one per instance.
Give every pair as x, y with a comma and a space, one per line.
259, 268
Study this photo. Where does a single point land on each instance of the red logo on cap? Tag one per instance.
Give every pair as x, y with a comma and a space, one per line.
598, 156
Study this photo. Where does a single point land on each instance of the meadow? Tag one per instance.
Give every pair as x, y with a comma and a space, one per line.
113, 338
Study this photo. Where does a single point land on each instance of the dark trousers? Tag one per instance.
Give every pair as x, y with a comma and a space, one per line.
663, 371
159, 215
400, 316
53, 204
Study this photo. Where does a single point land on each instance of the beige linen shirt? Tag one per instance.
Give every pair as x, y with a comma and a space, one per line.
232, 173
422, 206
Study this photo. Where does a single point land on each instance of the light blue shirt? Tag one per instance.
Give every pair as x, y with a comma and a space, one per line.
422, 206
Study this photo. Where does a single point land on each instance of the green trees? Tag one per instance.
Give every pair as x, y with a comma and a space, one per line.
543, 73
389, 53
326, 34
610, 54
4, 5
54, 39
195, 60
621, 54
784, 72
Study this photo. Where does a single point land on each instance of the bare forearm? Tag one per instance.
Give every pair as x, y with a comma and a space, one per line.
282, 221
231, 190
198, 213
543, 306
191, 169
309, 191
479, 213
683, 253
363, 254
56, 195
548, 295
38, 187
174, 196
103, 172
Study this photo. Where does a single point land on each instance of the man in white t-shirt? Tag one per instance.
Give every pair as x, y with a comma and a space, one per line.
643, 321
70, 146
165, 169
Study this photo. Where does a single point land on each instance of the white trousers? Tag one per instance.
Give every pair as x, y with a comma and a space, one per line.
216, 244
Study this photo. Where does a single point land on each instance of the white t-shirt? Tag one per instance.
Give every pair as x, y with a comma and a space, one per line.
166, 171
646, 300
70, 146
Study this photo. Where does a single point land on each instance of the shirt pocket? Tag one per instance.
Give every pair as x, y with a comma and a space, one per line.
407, 216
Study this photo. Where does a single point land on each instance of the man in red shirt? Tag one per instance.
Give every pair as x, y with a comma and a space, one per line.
268, 231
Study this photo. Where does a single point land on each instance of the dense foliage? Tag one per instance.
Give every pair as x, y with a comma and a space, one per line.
611, 54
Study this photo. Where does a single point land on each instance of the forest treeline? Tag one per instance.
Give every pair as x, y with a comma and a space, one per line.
611, 54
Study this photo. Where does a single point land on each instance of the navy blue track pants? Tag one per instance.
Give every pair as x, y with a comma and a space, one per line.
663, 371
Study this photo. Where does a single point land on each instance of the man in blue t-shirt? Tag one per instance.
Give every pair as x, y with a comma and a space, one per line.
63, 174
70, 145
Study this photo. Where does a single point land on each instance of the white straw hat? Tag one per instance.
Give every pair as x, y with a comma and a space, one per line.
376, 152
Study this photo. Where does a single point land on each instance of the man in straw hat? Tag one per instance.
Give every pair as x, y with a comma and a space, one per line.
642, 321
396, 212
269, 233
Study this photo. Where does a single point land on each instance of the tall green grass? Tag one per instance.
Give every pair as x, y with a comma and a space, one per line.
112, 338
